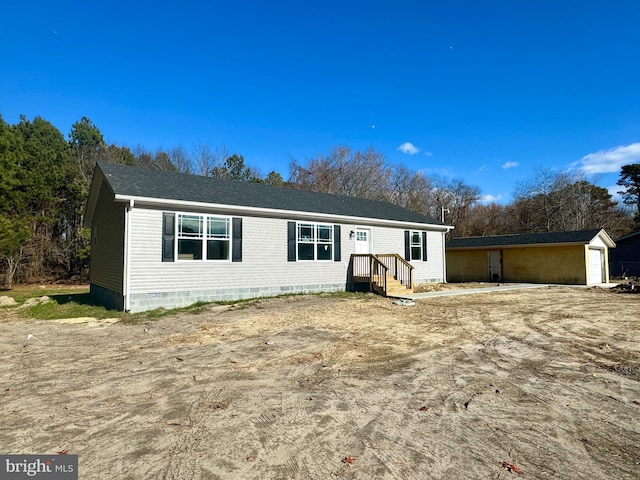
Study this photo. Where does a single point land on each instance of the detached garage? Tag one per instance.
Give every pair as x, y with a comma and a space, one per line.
574, 258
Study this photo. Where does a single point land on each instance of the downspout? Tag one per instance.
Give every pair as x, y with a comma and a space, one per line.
444, 257
127, 256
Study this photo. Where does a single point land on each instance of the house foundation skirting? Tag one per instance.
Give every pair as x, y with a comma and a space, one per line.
149, 301
107, 297
141, 302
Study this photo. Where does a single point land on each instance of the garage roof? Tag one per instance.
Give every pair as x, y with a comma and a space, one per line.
577, 237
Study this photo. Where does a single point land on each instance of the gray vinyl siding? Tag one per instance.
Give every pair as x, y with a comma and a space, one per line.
264, 261
433, 269
263, 271
391, 240
107, 254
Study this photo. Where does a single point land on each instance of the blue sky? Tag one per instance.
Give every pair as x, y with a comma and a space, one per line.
482, 91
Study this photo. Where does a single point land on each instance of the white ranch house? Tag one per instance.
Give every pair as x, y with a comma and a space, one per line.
162, 239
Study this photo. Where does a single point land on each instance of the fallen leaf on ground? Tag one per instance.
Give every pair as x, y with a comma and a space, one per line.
62, 452
512, 468
348, 459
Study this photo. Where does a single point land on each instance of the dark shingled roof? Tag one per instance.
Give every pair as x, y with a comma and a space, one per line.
578, 236
144, 182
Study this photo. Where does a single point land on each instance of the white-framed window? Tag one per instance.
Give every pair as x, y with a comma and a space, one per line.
416, 245
314, 241
201, 237
218, 238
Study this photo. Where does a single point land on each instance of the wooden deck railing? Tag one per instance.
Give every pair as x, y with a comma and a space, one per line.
398, 267
367, 268
375, 269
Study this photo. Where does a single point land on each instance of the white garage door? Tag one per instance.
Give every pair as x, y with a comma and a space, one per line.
595, 266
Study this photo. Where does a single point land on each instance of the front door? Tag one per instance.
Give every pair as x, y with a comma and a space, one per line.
363, 240
495, 265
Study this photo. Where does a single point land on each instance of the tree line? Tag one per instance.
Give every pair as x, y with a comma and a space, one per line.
45, 178
549, 201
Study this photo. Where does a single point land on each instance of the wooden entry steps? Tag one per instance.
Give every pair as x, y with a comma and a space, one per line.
396, 288
387, 274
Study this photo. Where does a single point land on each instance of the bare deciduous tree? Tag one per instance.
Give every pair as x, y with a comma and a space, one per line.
410, 189
563, 202
491, 219
180, 159
361, 174
206, 158
450, 200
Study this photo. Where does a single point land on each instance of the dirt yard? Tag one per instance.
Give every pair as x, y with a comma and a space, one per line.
311, 387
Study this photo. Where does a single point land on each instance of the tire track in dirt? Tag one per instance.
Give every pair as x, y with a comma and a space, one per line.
278, 426
530, 356
288, 437
185, 451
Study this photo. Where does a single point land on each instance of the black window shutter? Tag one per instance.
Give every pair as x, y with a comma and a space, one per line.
236, 239
407, 245
291, 241
424, 246
337, 254
168, 235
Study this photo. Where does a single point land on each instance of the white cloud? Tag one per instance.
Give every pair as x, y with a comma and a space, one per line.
613, 191
408, 148
490, 198
510, 165
608, 161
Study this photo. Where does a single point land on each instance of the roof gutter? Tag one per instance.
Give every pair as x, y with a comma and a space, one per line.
524, 245
444, 257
